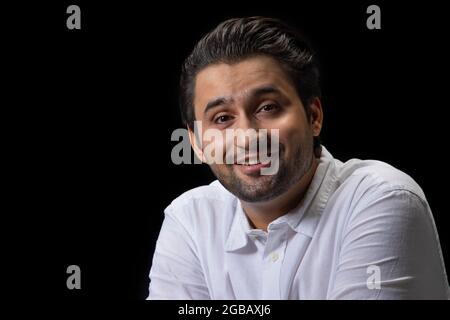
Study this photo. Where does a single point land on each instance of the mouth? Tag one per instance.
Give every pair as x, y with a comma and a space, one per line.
251, 168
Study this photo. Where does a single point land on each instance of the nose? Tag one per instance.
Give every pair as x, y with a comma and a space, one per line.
245, 122
246, 131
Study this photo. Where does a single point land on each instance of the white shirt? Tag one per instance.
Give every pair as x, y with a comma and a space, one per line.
364, 230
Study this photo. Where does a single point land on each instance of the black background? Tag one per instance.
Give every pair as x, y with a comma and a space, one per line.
95, 109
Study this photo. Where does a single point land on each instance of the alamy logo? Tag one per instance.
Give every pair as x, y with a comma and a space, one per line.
230, 146
74, 20
374, 280
374, 20
74, 280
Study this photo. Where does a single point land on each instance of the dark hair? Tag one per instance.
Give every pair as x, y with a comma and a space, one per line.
237, 39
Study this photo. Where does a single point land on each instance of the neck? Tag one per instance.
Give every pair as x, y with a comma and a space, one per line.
261, 214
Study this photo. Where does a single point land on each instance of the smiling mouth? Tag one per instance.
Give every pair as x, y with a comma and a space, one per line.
254, 159
253, 169
249, 164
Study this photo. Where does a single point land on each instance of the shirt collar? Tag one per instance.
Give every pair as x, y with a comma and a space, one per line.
313, 203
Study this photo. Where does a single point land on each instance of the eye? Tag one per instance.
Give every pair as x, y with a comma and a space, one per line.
268, 108
222, 119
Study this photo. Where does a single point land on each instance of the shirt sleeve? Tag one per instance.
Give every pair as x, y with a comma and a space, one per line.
390, 250
176, 272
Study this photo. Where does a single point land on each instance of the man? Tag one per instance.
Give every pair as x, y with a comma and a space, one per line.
317, 228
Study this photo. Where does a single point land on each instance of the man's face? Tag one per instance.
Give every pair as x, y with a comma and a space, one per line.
255, 93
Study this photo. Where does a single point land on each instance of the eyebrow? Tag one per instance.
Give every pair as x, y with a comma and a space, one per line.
216, 103
264, 90
253, 93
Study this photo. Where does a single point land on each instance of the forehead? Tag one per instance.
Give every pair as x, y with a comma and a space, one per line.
235, 80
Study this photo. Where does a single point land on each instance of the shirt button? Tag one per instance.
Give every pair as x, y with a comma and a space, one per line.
274, 256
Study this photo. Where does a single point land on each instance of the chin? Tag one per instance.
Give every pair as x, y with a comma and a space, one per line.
253, 189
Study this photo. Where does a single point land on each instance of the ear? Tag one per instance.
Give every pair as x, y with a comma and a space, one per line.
195, 145
316, 116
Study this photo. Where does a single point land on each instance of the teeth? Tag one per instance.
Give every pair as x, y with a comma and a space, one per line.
249, 162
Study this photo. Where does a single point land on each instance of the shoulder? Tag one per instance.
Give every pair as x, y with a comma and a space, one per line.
373, 178
203, 206
373, 192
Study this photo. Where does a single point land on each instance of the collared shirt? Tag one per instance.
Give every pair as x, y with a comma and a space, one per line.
363, 230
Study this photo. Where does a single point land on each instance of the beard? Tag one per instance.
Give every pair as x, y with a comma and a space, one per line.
261, 188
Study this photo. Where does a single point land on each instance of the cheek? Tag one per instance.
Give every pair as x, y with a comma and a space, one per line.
293, 131
221, 170
213, 145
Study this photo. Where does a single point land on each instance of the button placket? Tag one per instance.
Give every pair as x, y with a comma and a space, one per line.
274, 256
272, 262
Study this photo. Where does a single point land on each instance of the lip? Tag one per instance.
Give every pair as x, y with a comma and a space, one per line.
247, 159
251, 169
253, 158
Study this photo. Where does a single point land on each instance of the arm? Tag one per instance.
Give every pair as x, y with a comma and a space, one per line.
176, 272
392, 236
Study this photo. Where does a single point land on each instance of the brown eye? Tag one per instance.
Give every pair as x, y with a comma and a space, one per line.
222, 119
268, 108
